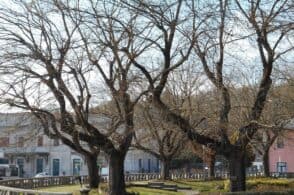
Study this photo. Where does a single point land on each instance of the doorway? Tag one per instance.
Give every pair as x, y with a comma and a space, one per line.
40, 165
55, 167
20, 163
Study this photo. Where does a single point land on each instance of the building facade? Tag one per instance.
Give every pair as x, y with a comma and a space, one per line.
23, 143
281, 154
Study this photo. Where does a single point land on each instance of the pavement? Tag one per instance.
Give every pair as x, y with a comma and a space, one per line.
189, 192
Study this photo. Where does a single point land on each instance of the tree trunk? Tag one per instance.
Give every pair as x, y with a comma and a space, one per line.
116, 174
265, 161
237, 169
165, 167
211, 166
94, 178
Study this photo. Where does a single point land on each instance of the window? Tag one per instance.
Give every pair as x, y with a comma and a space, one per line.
280, 142
281, 167
140, 165
76, 166
2, 172
40, 140
55, 142
149, 165
258, 157
4, 141
157, 165
20, 142
4, 161
13, 170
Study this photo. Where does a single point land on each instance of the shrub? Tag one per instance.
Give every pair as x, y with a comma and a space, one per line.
264, 184
259, 193
227, 185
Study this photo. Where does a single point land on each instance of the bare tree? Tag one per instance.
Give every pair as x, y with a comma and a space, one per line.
41, 73
278, 110
210, 41
207, 155
264, 25
106, 35
57, 48
263, 145
56, 59
157, 137
190, 96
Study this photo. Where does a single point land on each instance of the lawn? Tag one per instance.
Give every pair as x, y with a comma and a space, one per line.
143, 191
202, 186
147, 191
259, 184
254, 184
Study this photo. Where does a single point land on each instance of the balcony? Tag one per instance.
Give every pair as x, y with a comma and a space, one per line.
26, 150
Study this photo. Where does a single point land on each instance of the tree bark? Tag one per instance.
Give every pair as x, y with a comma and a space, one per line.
237, 171
116, 174
94, 178
265, 161
165, 168
211, 166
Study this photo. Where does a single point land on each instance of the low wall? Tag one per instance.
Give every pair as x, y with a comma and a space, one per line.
32, 183
18, 191
68, 180
282, 175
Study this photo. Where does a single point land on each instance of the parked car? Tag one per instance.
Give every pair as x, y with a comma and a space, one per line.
42, 174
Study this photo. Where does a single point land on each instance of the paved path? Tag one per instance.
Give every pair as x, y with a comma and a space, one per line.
189, 192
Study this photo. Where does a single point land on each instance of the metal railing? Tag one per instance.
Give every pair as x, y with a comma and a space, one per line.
32, 183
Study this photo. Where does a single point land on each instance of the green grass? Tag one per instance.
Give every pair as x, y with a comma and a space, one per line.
201, 186
69, 188
148, 191
270, 184
257, 184
75, 189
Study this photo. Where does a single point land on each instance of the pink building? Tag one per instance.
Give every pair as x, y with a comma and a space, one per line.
281, 154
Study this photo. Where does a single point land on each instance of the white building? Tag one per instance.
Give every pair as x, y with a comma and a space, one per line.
23, 143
